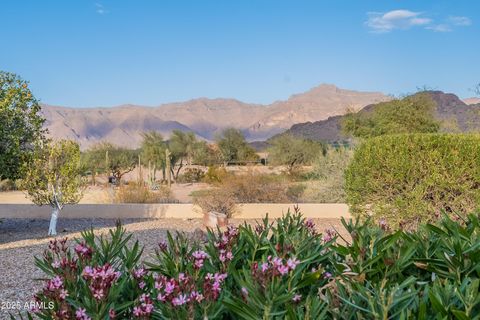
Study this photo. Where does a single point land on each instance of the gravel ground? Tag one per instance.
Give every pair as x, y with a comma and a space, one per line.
23, 239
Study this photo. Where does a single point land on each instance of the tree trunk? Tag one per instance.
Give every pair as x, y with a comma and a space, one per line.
52, 230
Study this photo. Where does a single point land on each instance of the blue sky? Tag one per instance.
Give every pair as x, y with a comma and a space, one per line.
109, 52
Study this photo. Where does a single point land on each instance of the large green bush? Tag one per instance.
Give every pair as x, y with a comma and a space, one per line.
280, 270
412, 178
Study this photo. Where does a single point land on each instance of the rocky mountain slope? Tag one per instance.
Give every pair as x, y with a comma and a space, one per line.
123, 125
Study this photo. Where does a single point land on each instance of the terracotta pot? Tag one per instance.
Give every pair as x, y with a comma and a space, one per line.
214, 219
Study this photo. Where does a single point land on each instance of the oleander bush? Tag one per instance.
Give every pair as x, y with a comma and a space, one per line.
280, 270
409, 179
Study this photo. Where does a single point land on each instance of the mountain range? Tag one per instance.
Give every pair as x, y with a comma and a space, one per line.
123, 125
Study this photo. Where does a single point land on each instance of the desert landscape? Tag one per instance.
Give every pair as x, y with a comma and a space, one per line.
274, 160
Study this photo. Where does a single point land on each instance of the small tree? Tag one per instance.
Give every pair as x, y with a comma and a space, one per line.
292, 151
234, 147
20, 125
54, 179
182, 146
153, 153
116, 161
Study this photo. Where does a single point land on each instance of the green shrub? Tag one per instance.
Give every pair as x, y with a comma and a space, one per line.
191, 175
412, 178
216, 175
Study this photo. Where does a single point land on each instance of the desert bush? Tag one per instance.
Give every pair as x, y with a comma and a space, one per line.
139, 193
279, 270
215, 175
327, 178
191, 175
216, 200
257, 188
411, 178
7, 185
295, 192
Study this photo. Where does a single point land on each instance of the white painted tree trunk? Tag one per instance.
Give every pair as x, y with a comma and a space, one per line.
52, 230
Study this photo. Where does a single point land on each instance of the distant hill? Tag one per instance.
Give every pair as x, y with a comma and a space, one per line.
123, 125
456, 116
472, 100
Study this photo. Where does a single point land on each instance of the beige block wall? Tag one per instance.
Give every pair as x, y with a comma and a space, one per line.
158, 211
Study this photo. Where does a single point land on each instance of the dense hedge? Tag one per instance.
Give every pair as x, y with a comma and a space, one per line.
411, 178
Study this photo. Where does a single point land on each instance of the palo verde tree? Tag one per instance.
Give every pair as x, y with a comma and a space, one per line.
153, 152
53, 178
234, 147
293, 151
182, 146
20, 125
115, 161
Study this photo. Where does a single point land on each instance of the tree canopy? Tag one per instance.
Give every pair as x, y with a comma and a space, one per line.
292, 151
53, 177
234, 147
20, 125
413, 114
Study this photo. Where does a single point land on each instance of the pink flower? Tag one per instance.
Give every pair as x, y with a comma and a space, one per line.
138, 273
169, 287
199, 254
81, 314
112, 314
292, 263
63, 294
196, 296
264, 267
57, 282
98, 294
327, 275
142, 285
161, 297
283, 269
277, 261
180, 300
56, 264
328, 235
137, 311
297, 298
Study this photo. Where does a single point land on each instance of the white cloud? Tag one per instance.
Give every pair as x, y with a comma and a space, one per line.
459, 21
396, 19
383, 22
440, 28
100, 9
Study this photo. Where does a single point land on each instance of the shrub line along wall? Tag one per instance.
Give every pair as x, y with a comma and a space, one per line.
180, 211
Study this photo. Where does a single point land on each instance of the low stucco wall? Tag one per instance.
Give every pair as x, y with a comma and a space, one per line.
158, 211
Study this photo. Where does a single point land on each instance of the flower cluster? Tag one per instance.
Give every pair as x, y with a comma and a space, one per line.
83, 250
81, 314
329, 235
273, 267
199, 258
54, 289
183, 289
100, 279
310, 226
225, 244
145, 307
139, 275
